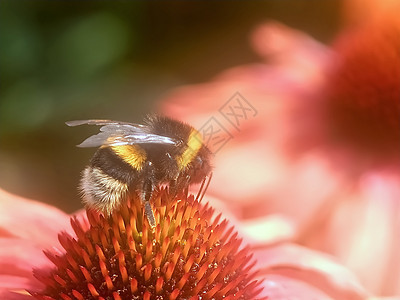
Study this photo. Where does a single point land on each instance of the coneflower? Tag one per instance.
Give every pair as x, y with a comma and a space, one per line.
188, 255
364, 95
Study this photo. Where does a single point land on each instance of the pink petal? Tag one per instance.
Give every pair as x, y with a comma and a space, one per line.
21, 295
311, 267
16, 283
281, 287
270, 229
17, 259
370, 243
31, 220
291, 48
384, 298
265, 230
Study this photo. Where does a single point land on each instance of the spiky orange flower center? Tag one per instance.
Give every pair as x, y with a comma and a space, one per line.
365, 88
188, 255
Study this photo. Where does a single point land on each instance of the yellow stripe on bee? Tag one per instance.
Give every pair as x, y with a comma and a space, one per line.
131, 154
194, 144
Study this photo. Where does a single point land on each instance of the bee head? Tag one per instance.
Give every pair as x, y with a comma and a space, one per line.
201, 165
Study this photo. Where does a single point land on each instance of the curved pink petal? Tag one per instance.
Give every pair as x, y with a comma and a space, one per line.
371, 244
15, 287
283, 287
17, 259
30, 220
14, 295
266, 230
310, 268
19, 256
384, 298
293, 51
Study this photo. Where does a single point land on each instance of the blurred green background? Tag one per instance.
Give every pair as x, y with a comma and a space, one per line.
77, 60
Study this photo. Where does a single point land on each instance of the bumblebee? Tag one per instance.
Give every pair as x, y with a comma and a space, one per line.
140, 158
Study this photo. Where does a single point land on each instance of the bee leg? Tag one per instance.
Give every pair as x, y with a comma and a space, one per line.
179, 185
185, 185
173, 188
149, 214
148, 188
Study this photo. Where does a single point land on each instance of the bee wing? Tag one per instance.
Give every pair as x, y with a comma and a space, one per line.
115, 133
99, 122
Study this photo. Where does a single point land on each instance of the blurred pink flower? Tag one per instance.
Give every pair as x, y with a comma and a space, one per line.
290, 272
321, 155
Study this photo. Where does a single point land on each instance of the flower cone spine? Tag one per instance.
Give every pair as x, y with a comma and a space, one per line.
188, 255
